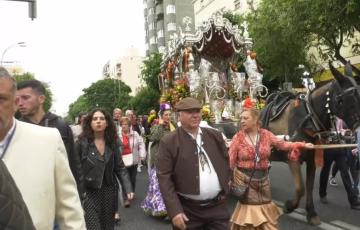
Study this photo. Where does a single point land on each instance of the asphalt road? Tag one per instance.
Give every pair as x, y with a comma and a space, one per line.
336, 215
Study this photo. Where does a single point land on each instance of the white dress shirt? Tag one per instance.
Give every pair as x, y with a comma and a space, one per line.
208, 178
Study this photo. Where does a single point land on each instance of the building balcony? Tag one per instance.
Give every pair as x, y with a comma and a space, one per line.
145, 12
159, 9
158, 2
150, 3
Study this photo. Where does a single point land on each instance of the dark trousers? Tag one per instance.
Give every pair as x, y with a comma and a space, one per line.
215, 217
354, 171
132, 171
340, 158
354, 167
334, 170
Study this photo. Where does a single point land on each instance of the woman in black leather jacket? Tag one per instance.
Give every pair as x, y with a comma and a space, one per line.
98, 147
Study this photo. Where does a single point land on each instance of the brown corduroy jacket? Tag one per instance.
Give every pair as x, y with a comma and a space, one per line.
178, 168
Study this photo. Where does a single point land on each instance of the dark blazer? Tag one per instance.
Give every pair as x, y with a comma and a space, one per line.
13, 212
178, 168
98, 170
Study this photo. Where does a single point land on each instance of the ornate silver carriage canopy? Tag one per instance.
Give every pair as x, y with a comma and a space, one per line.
215, 65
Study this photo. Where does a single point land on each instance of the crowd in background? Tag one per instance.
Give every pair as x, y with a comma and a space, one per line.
84, 173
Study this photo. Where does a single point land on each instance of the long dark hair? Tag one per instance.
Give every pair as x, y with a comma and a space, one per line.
110, 134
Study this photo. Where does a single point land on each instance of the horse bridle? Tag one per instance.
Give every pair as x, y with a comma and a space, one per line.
355, 88
354, 92
320, 128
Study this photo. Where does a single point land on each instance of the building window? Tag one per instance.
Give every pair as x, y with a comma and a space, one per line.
237, 4
151, 11
162, 49
160, 33
118, 70
170, 9
152, 26
153, 40
171, 26
160, 17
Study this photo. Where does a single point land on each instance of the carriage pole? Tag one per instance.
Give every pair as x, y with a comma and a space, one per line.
335, 146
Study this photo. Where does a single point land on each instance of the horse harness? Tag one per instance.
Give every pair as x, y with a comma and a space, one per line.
321, 132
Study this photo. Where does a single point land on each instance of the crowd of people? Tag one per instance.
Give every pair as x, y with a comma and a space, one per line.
78, 177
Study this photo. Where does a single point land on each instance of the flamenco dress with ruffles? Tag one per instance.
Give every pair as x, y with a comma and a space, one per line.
153, 204
259, 216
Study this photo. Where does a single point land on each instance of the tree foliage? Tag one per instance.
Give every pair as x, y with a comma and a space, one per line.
333, 24
280, 47
80, 105
48, 94
151, 70
283, 31
108, 94
145, 100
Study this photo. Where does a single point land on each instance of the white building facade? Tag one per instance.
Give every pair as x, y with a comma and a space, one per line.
126, 69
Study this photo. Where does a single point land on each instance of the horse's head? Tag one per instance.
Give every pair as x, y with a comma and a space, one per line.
345, 96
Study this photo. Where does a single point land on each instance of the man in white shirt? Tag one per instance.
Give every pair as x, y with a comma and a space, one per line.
193, 172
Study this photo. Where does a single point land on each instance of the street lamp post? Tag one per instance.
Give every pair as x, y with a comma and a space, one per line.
19, 44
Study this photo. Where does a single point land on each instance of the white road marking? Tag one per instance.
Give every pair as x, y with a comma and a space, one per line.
345, 225
300, 214
323, 225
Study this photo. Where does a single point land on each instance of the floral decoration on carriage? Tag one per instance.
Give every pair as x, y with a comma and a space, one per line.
216, 66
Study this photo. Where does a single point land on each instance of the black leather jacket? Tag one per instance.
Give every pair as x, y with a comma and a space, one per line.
99, 169
13, 212
54, 121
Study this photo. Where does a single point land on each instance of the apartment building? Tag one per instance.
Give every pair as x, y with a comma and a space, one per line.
203, 9
126, 68
162, 20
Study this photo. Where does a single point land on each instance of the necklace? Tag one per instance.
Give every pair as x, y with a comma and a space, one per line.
256, 146
256, 139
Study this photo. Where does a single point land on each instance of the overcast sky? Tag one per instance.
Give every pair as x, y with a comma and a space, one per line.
70, 40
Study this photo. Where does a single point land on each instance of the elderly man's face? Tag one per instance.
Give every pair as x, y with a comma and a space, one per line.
7, 105
117, 114
130, 115
190, 119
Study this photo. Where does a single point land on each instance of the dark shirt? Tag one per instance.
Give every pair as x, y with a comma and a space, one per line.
55, 121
